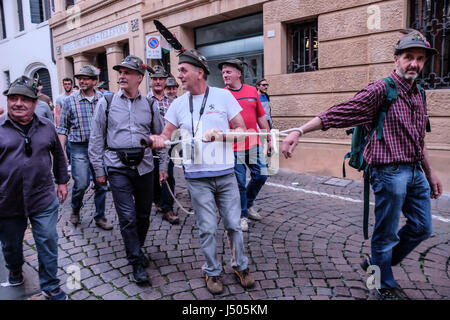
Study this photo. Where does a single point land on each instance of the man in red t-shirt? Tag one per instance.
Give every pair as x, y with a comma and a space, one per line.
247, 152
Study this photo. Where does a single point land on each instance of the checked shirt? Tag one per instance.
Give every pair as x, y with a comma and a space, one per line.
404, 126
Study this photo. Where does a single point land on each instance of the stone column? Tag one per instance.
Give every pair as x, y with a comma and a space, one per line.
114, 56
80, 60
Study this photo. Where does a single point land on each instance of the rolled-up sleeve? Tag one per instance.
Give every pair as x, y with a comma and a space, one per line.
64, 125
96, 147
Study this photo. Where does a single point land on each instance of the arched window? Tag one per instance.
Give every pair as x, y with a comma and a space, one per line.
44, 76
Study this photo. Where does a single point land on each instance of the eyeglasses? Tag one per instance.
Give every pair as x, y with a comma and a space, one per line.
28, 150
264, 84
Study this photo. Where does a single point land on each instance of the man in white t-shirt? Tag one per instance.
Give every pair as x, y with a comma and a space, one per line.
206, 113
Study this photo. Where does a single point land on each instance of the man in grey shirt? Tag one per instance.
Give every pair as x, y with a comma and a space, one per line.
43, 110
115, 142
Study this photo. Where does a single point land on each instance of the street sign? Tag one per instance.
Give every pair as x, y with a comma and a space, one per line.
153, 47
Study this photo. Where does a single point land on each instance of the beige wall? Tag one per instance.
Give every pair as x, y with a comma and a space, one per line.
352, 53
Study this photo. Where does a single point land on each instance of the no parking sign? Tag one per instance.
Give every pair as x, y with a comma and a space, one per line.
153, 47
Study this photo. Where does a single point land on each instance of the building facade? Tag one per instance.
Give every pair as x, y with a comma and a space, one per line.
314, 54
26, 44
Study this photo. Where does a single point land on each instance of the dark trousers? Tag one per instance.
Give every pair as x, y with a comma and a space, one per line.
156, 185
166, 198
132, 195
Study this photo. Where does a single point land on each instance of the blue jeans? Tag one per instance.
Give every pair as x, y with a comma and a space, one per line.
398, 188
258, 173
80, 175
12, 231
206, 194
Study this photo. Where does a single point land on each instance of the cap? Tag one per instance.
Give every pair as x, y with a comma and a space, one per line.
238, 64
171, 82
23, 86
133, 63
414, 39
195, 58
103, 85
159, 72
88, 71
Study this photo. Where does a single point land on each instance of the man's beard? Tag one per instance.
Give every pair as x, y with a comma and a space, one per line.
68, 91
408, 77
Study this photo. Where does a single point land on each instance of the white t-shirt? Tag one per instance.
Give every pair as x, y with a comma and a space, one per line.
212, 157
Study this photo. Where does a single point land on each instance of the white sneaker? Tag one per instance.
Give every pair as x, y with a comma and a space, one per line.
244, 224
253, 214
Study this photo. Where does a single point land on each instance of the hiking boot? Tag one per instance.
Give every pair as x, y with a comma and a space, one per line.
245, 278
139, 274
391, 294
75, 216
244, 224
56, 294
253, 214
15, 278
171, 217
103, 224
366, 263
214, 284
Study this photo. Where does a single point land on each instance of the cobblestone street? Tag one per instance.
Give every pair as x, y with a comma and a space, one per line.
307, 246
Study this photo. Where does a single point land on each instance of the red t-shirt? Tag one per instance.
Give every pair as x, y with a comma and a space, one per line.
252, 109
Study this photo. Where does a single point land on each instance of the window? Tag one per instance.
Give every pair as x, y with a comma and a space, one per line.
40, 10
2, 25
303, 45
7, 78
20, 15
432, 17
69, 3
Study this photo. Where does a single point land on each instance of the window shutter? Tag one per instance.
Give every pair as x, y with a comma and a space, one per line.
35, 11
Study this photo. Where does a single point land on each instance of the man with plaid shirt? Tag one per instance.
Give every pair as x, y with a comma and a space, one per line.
400, 170
75, 124
161, 195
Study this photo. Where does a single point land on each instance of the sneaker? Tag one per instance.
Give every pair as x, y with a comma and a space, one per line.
104, 224
366, 263
75, 216
171, 217
139, 275
253, 214
244, 224
391, 294
245, 278
56, 294
15, 278
214, 284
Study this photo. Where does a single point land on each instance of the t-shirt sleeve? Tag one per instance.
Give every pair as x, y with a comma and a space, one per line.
171, 113
233, 107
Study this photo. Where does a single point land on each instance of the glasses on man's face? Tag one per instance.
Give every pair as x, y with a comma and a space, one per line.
264, 84
28, 150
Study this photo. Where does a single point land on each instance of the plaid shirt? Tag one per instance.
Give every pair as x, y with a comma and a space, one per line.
404, 125
76, 116
162, 104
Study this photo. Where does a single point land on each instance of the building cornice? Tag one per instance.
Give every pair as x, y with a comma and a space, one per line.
151, 13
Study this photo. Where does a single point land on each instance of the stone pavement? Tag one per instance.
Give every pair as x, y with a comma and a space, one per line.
307, 246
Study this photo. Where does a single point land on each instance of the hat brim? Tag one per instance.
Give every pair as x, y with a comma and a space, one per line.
20, 92
429, 51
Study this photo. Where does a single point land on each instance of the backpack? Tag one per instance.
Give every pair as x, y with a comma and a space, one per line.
361, 138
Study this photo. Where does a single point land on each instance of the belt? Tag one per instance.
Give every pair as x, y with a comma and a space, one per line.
411, 164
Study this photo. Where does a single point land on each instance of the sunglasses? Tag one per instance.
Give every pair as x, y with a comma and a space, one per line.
264, 85
28, 150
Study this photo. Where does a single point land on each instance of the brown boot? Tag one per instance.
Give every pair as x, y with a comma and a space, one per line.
171, 217
104, 224
75, 216
214, 284
245, 278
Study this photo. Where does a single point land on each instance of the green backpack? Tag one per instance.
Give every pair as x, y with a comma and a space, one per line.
361, 138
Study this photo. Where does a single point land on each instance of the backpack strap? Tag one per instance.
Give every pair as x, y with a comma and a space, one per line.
424, 97
389, 98
366, 204
150, 103
108, 98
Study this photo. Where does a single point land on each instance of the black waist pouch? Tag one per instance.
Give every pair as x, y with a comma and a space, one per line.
131, 156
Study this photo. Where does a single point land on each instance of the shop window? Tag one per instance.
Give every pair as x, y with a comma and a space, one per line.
40, 10
303, 45
2, 24
432, 18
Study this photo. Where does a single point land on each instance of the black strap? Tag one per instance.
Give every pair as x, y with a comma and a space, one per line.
108, 98
202, 109
366, 204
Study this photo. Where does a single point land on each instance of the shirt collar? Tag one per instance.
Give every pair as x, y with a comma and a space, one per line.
6, 118
164, 97
403, 84
122, 94
79, 96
